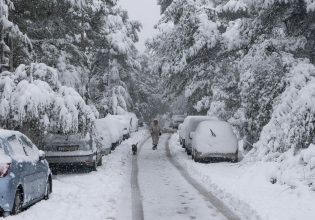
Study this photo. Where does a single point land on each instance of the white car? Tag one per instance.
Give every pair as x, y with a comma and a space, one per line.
115, 129
189, 125
103, 135
72, 149
214, 140
177, 120
129, 122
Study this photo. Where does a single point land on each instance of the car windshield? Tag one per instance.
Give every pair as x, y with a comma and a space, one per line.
21, 149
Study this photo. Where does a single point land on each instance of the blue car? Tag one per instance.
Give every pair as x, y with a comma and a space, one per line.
25, 177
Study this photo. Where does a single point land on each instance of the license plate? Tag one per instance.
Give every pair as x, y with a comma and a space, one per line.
68, 148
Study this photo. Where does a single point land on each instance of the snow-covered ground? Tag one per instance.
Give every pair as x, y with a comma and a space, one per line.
247, 190
83, 196
166, 194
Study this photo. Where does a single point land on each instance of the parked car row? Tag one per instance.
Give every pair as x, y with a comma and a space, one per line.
25, 175
207, 139
88, 150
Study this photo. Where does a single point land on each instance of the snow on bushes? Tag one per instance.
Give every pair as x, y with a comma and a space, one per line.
33, 93
292, 122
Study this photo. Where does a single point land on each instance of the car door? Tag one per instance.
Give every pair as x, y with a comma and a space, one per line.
40, 167
25, 167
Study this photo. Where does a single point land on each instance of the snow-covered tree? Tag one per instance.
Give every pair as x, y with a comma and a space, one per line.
33, 100
234, 60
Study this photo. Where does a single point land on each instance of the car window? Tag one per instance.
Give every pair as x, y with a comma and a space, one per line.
16, 148
29, 148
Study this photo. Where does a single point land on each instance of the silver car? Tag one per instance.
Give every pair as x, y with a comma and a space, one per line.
25, 177
72, 149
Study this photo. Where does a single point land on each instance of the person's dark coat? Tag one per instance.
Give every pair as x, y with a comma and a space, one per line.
155, 133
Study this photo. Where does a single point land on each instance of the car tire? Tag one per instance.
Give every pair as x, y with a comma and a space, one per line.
18, 202
235, 160
188, 152
100, 162
196, 159
6, 214
94, 166
48, 190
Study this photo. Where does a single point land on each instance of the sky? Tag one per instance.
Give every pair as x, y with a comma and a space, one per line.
145, 11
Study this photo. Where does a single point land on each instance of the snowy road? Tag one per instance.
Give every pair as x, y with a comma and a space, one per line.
168, 193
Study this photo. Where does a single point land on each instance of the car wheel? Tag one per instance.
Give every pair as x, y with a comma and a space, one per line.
48, 190
94, 166
188, 152
196, 158
100, 162
18, 202
6, 214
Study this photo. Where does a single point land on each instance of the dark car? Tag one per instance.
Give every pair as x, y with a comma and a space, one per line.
73, 149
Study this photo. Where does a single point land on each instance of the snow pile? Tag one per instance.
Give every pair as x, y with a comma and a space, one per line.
34, 93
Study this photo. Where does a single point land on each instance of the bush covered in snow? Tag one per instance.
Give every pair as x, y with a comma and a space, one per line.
32, 99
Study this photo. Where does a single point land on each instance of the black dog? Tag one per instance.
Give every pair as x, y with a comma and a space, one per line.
134, 149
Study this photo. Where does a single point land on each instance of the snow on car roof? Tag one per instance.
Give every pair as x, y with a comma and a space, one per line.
178, 117
7, 133
52, 137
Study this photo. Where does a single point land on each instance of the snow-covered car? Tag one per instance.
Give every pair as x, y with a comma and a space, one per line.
129, 122
177, 120
214, 140
107, 133
189, 125
72, 149
115, 129
25, 176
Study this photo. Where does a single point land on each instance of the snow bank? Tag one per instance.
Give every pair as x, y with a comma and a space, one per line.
247, 189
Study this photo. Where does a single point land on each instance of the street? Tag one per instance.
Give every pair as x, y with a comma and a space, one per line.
166, 193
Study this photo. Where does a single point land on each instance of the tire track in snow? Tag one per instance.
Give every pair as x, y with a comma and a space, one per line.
208, 196
137, 207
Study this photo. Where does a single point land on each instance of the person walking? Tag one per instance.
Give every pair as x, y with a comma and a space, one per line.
155, 133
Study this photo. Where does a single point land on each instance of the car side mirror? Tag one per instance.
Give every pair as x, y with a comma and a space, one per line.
191, 135
42, 155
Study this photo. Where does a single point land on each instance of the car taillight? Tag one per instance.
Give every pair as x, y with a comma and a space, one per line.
4, 169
